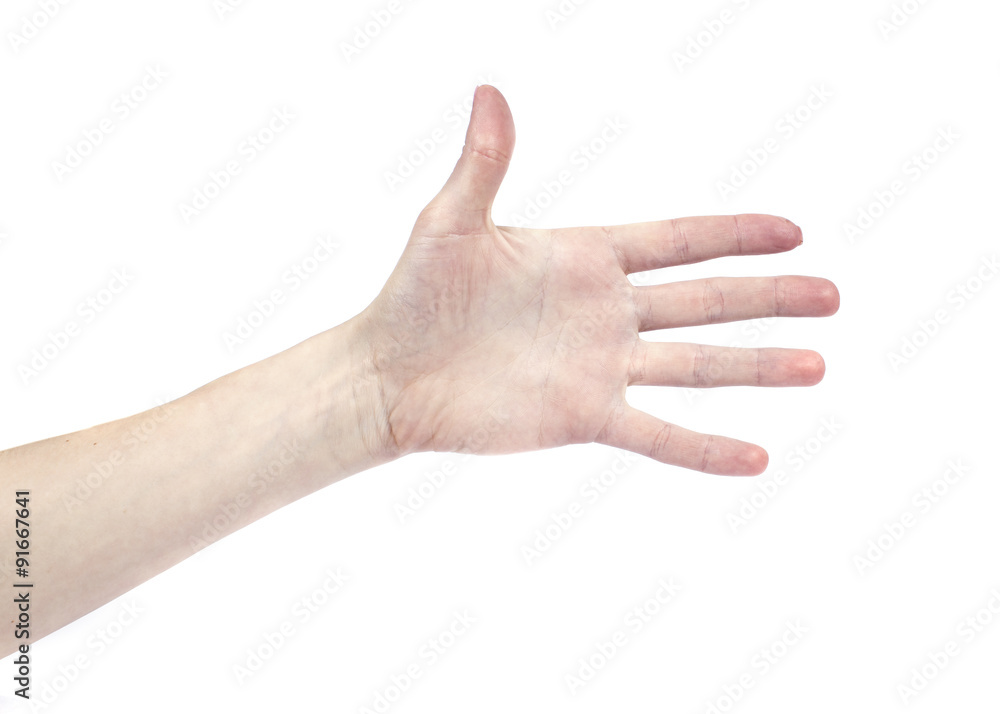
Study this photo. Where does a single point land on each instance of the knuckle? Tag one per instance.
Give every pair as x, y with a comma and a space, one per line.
701, 366
739, 234
661, 441
706, 453
682, 247
713, 302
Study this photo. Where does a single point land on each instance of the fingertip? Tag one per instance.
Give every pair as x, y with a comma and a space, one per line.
789, 233
829, 298
492, 122
754, 462
763, 233
483, 89
741, 459
810, 367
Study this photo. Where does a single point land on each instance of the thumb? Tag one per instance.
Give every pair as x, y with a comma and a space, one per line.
489, 143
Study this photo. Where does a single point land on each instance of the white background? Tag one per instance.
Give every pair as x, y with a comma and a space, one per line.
794, 560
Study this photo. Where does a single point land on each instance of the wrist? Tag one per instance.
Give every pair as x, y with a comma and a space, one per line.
320, 396
352, 393
393, 425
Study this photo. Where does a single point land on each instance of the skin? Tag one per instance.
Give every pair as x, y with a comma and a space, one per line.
485, 339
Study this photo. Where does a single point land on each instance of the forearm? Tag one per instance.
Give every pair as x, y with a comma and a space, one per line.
114, 505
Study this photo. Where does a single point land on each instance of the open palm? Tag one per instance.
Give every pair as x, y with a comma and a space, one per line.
496, 340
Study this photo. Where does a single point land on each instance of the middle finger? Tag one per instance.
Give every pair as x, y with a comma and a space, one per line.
713, 300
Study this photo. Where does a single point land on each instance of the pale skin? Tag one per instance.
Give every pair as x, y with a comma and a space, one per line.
484, 339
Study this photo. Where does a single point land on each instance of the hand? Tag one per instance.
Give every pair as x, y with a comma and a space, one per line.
496, 340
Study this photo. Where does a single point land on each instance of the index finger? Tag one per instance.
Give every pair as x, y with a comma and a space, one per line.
679, 241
